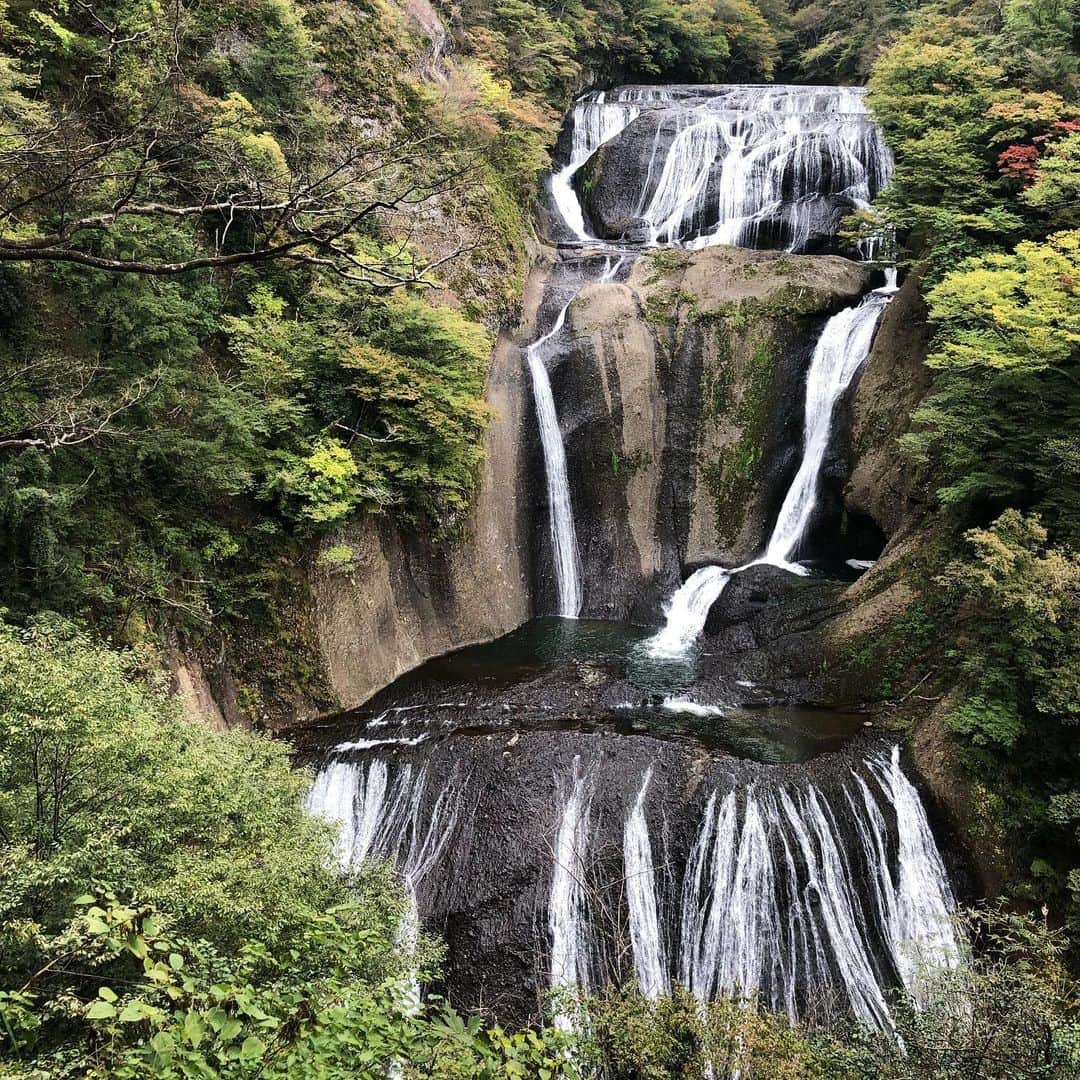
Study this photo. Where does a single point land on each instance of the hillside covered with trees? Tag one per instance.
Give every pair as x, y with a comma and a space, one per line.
254, 257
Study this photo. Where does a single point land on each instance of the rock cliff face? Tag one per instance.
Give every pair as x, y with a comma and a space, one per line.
679, 399
405, 597
892, 383
679, 394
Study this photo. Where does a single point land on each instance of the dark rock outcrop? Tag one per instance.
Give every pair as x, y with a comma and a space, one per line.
679, 395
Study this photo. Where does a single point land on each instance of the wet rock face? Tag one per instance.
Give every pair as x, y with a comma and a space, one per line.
679, 392
878, 481
494, 894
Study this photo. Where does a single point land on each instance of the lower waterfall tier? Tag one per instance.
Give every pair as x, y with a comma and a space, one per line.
638, 842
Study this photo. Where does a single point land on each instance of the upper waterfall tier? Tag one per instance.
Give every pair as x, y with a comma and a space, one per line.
755, 166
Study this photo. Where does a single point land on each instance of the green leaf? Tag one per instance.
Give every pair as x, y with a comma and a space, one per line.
194, 1028
253, 1047
133, 1013
163, 1043
230, 1029
100, 1010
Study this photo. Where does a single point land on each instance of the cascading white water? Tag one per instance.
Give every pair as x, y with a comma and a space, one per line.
568, 922
595, 119
772, 905
727, 161
383, 813
840, 352
646, 933
917, 901
687, 611
560, 512
564, 545
739, 157
382, 816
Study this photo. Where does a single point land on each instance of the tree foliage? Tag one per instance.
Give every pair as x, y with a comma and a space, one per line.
168, 910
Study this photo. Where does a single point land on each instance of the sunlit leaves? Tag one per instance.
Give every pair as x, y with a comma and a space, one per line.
1011, 311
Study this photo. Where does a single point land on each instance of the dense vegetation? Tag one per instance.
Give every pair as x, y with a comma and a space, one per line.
252, 257
983, 109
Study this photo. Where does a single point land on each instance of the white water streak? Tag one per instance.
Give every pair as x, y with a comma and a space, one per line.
567, 914
560, 511
840, 352
564, 546
687, 611
646, 930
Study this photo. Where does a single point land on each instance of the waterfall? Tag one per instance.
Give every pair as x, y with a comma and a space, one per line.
687, 611
840, 352
564, 544
560, 512
646, 933
567, 906
772, 904
385, 814
595, 119
813, 891
740, 159
919, 901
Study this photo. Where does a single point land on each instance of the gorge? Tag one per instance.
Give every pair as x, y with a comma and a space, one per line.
660, 815
540, 540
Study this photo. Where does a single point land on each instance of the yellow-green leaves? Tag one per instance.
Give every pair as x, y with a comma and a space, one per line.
1018, 311
320, 487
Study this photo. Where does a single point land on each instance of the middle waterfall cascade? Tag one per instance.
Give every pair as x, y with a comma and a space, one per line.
813, 890
564, 544
840, 352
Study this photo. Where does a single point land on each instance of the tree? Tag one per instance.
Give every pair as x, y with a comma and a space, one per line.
138, 141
